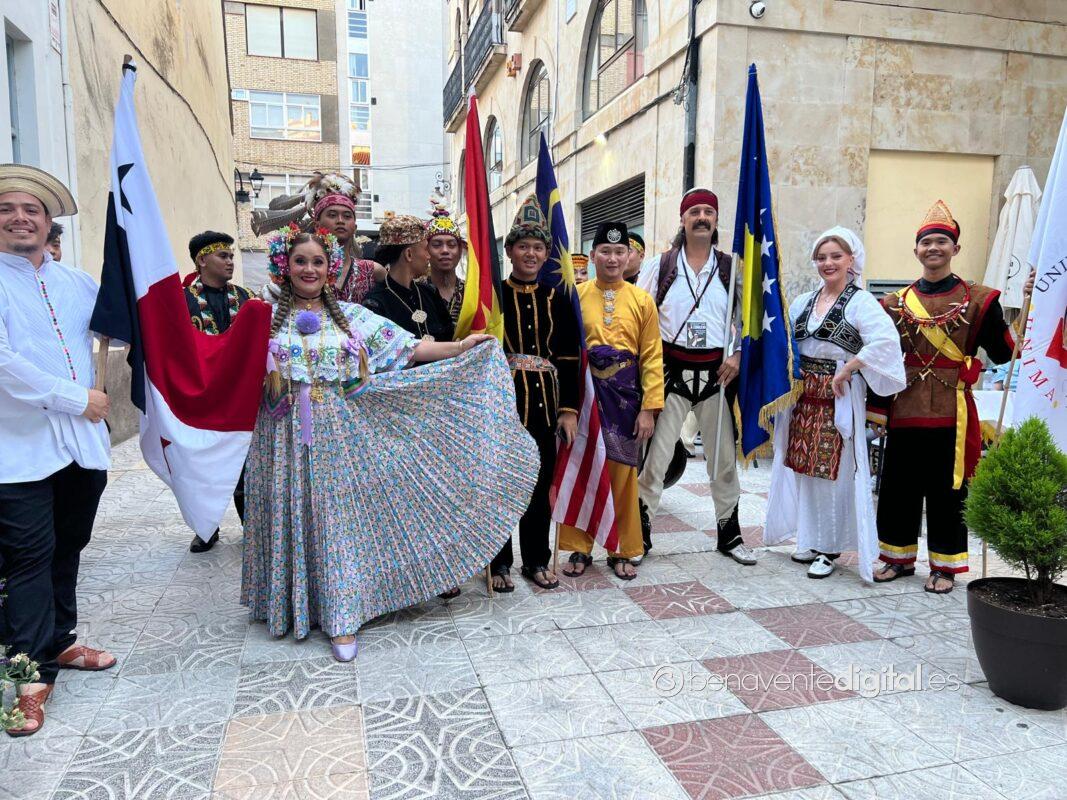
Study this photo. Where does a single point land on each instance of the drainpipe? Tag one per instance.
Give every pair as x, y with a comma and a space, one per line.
689, 155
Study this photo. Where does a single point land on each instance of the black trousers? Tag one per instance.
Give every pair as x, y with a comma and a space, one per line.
536, 523
44, 525
918, 468
239, 497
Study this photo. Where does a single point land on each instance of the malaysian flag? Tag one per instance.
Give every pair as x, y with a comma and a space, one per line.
581, 486
198, 395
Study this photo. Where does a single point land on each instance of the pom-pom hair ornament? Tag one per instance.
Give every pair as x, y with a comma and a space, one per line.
281, 243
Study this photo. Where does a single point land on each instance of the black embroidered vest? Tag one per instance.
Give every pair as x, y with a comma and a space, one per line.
834, 328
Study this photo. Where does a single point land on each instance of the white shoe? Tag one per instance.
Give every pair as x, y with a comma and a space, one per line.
821, 567
741, 554
636, 560
804, 556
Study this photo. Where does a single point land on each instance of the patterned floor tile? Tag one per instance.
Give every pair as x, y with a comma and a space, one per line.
259, 647
668, 694
169, 648
980, 725
75, 702
596, 576
173, 698
689, 541
653, 571
427, 623
824, 792
907, 614
352, 786
1034, 775
950, 782
1052, 721
410, 671
440, 745
500, 615
584, 609
176, 762
523, 657
812, 624
277, 687
776, 679
669, 600
668, 523
620, 766
749, 758
280, 748
952, 651
853, 739
554, 709
31, 767
763, 588
625, 646
877, 667
720, 635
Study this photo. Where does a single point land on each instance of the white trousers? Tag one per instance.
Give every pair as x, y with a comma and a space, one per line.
726, 489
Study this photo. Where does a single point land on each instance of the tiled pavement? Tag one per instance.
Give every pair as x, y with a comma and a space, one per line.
701, 679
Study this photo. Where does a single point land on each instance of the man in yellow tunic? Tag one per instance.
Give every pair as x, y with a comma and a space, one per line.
626, 360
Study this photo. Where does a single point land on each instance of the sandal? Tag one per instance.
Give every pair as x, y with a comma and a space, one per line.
892, 572
539, 577
614, 561
502, 573
31, 704
576, 559
450, 593
92, 660
938, 575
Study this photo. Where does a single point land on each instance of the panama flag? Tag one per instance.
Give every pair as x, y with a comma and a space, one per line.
1042, 387
198, 394
582, 485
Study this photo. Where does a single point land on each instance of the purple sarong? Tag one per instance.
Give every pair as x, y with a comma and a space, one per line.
618, 394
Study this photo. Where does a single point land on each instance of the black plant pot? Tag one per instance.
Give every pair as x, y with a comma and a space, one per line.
1024, 656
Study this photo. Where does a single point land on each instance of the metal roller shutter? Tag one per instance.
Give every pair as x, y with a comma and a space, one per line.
623, 203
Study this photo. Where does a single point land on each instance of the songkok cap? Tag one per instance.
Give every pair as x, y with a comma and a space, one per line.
211, 241
403, 229
939, 220
442, 224
698, 197
636, 242
56, 198
611, 233
530, 223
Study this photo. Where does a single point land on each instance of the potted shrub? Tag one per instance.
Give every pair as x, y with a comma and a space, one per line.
1017, 503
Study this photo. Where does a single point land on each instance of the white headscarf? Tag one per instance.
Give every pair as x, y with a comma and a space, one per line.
855, 244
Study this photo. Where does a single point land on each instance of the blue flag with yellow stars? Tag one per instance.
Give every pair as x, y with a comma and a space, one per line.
766, 380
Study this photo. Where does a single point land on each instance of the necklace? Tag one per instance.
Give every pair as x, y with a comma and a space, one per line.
418, 316
207, 319
819, 304
953, 315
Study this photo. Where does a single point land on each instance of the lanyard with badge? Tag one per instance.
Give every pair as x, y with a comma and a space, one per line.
696, 331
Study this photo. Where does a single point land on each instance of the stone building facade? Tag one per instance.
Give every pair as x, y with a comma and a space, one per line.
873, 111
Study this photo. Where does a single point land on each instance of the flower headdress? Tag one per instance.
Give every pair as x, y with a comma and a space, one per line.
279, 245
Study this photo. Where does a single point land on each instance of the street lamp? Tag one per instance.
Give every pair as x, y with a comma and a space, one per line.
256, 180
241, 194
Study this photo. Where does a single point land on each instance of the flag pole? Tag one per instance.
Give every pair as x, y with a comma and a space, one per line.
555, 554
1024, 317
100, 381
727, 347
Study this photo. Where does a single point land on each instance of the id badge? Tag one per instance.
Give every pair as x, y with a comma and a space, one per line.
696, 335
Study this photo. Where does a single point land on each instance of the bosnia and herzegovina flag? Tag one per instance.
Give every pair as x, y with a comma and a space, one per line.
767, 346
581, 487
481, 311
198, 394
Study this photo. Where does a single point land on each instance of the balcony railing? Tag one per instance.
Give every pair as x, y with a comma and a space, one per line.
518, 13
485, 35
453, 95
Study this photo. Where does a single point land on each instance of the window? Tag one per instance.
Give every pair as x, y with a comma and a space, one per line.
615, 57
276, 186
274, 115
357, 24
494, 153
281, 32
357, 5
358, 73
536, 112
13, 100
363, 202
359, 117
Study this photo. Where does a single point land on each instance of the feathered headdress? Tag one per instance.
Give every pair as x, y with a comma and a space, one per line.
303, 206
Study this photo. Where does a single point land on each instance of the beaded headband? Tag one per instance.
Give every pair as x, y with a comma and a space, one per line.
214, 247
281, 243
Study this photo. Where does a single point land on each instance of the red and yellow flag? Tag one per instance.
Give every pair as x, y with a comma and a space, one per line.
481, 311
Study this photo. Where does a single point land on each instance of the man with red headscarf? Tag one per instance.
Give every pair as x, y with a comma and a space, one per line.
690, 284
336, 213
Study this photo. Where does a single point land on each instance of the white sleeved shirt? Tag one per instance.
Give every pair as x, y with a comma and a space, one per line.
46, 371
706, 327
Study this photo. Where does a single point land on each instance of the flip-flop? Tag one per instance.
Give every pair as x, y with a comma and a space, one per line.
612, 561
578, 558
500, 573
938, 575
895, 571
532, 574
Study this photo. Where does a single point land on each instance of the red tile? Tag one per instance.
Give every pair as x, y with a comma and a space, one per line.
812, 624
776, 679
751, 535
669, 600
730, 757
668, 523
699, 489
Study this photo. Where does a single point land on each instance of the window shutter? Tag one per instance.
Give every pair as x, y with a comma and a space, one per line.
624, 203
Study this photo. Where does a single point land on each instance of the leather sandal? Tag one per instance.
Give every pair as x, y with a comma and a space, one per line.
92, 660
937, 575
502, 572
578, 558
31, 704
614, 561
892, 572
538, 576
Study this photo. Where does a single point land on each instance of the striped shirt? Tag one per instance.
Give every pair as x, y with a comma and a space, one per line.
46, 370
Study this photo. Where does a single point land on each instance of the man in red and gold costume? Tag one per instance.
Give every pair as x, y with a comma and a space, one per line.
933, 441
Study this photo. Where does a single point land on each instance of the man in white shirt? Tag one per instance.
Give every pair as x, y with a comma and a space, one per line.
55, 451
690, 286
